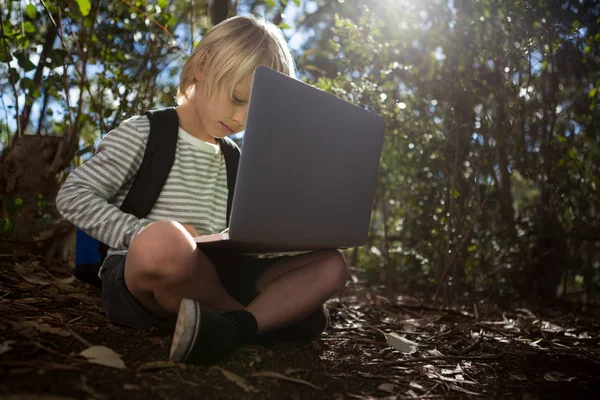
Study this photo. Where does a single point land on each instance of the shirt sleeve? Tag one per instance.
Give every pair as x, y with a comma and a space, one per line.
85, 197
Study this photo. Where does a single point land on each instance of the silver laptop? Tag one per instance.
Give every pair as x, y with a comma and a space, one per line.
307, 172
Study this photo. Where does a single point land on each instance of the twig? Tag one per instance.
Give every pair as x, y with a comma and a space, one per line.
20, 305
81, 339
445, 358
49, 350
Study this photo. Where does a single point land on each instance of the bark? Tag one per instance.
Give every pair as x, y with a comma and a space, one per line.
25, 174
220, 10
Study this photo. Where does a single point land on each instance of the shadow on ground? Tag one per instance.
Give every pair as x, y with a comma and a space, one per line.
377, 349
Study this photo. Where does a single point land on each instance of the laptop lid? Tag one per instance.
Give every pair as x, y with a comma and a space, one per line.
308, 168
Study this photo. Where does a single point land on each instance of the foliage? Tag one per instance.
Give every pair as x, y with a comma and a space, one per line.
81, 67
491, 166
489, 178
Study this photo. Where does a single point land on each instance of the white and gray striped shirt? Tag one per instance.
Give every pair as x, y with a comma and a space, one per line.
195, 192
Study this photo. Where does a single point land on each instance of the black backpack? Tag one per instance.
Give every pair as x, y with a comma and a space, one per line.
147, 185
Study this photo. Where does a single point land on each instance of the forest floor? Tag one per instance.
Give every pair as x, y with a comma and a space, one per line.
378, 348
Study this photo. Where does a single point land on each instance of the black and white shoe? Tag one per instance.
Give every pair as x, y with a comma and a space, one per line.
202, 334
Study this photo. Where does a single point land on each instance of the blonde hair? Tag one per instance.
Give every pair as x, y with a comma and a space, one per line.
232, 50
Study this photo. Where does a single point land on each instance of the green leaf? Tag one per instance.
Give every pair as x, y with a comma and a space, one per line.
5, 55
30, 11
163, 3
27, 83
270, 3
14, 74
24, 61
84, 7
283, 2
6, 225
297, 2
29, 27
456, 194
283, 25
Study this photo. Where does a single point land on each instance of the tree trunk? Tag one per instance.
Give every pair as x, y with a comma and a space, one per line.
30, 176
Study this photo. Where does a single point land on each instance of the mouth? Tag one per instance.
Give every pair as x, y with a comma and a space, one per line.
226, 128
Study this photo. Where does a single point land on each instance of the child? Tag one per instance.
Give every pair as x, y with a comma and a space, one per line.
155, 276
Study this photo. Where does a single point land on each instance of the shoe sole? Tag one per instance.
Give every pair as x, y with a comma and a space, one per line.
186, 330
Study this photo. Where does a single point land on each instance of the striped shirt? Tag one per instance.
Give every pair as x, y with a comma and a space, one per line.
195, 192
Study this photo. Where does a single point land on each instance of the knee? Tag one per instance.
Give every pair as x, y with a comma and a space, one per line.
336, 270
162, 250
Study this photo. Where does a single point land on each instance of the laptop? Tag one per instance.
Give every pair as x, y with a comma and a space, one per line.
307, 172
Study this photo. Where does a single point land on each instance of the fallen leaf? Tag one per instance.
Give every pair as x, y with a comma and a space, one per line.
28, 327
416, 385
129, 386
435, 353
102, 355
457, 370
277, 375
554, 376
6, 346
412, 394
66, 281
517, 377
154, 365
400, 343
238, 380
550, 327
387, 387
29, 275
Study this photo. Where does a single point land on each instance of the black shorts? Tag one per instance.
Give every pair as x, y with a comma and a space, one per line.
238, 275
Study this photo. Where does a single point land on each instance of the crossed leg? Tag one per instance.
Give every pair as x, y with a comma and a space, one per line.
164, 266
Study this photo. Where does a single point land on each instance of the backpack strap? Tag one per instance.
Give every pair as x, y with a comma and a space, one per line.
231, 153
156, 164
155, 167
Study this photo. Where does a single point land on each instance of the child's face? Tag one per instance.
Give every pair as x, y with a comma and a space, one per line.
222, 114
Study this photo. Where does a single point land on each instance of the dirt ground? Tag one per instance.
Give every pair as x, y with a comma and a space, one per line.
378, 348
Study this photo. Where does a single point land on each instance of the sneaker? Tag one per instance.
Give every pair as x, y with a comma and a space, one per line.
304, 330
202, 334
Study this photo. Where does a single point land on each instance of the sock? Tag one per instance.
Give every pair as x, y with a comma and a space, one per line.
246, 325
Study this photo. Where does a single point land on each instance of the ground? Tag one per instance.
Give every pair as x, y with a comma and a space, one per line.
378, 348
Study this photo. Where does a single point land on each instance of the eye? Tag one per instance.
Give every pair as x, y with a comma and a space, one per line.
237, 100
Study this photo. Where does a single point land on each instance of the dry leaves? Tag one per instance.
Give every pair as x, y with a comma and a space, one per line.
29, 275
400, 343
6, 346
102, 355
554, 376
26, 327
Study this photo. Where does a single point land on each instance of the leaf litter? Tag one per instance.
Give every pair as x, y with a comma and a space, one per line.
426, 352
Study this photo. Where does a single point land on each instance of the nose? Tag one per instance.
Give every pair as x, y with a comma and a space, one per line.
240, 114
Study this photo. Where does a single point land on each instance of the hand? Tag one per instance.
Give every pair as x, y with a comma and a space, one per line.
191, 230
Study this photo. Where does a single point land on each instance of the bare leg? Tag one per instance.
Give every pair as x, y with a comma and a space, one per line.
297, 286
164, 266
